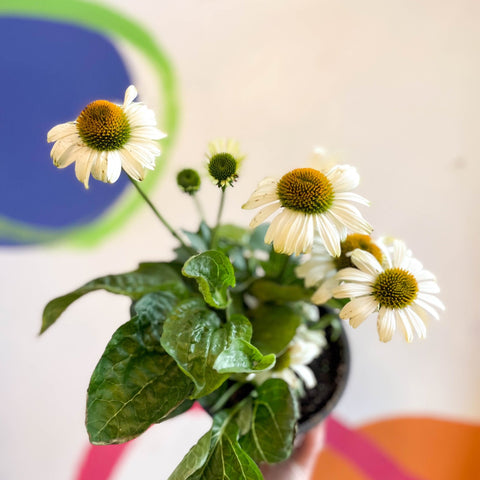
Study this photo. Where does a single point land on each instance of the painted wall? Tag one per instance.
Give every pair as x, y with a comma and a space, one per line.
391, 87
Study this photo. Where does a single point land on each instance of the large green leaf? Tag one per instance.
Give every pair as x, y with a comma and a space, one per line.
218, 455
149, 277
214, 274
135, 383
274, 326
194, 336
274, 418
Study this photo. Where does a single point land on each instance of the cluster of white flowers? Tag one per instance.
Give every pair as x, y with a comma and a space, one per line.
315, 214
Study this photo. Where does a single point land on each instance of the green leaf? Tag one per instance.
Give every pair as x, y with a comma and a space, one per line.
192, 336
274, 326
194, 460
223, 460
214, 274
135, 383
241, 356
274, 417
270, 291
149, 277
206, 350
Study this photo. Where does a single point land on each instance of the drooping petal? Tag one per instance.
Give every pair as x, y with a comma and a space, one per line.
114, 166
83, 167
132, 166
264, 213
329, 235
416, 322
325, 291
351, 217
99, 167
69, 155
385, 324
405, 324
359, 306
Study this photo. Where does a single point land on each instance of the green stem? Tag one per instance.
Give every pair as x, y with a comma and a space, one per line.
160, 216
220, 403
220, 208
199, 208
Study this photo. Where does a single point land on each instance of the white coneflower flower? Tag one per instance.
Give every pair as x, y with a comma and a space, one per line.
106, 138
321, 268
292, 365
401, 291
223, 161
309, 202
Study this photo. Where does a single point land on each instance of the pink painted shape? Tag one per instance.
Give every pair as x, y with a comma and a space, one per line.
363, 453
100, 461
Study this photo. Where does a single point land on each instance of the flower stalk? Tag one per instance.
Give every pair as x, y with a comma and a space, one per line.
161, 217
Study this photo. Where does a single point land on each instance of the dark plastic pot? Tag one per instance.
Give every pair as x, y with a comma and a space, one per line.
331, 370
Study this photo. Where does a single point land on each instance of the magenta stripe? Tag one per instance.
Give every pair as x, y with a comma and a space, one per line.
100, 461
363, 453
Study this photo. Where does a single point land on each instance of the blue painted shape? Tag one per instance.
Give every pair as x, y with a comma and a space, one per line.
48, 72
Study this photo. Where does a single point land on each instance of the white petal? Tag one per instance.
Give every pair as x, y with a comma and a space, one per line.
428, 287
351, 197
416, 322
366, 262
83, 167
351, 290
70, 155
146, 158
132, 166
423, 275
306, 374
428, 308
405, 323
329, 235
430, 299
61, 131
130, 95
325, 291
362, 306
99, 167
354, 275
385, 324
343, 178
114, 166
264, 213
399, 253
59, 148
351, 217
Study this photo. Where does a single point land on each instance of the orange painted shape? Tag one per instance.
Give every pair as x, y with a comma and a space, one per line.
432, 449
332, 466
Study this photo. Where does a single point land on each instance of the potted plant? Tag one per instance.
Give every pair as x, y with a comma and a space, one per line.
240, 319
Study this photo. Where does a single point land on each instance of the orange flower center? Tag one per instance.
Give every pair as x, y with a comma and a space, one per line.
305, 190
103, 126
